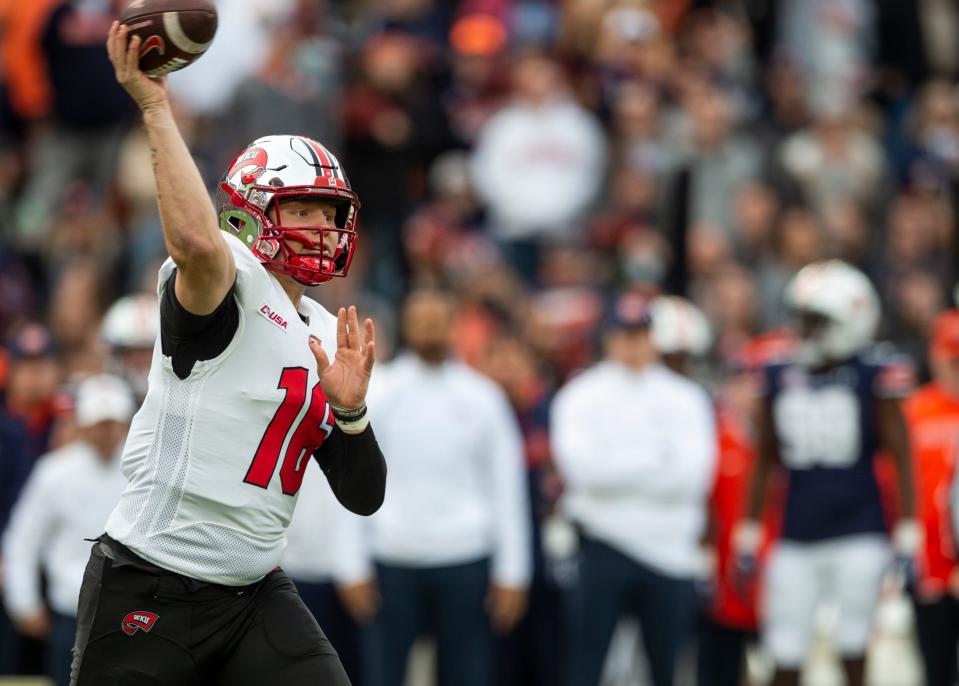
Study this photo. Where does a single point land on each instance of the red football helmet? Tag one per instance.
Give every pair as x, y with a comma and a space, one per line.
278, 168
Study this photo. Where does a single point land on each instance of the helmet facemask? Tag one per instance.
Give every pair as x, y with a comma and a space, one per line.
310, 254
814, 330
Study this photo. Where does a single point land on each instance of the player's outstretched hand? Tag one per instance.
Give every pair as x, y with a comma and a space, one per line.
345, 380
148, 93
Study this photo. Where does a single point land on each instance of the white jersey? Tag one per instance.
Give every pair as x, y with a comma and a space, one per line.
214, 461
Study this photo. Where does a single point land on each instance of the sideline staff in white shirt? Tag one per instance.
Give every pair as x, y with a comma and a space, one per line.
635, 443
451, 541
67, 499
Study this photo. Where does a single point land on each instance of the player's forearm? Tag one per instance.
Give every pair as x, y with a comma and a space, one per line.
767, 455
895, 436
186, 212
356, 470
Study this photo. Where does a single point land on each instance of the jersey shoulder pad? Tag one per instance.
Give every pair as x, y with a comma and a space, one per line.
894, 371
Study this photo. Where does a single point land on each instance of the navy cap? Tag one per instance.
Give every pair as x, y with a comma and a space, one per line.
628, 311
31, 341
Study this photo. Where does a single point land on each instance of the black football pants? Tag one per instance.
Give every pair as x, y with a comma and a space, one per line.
149, 627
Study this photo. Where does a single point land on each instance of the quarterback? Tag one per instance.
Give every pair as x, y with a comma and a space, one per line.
183, 587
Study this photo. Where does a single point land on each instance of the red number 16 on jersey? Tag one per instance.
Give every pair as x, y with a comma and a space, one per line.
309, 434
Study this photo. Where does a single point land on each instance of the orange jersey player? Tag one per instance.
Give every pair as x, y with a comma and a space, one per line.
932, 414
730, 617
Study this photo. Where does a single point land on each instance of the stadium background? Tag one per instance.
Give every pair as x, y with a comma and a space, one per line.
531, 156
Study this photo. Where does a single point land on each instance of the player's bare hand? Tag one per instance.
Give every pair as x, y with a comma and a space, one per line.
506, 606
362, 599
36, 625
345, 380
148, 93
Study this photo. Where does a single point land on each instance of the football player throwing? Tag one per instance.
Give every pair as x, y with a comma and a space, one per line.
184, 587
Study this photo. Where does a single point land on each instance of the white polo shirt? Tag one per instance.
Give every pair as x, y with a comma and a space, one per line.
637, 452
67, 499
457, 487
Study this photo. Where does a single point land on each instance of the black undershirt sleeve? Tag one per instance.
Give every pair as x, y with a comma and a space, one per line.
356, 469
189, 338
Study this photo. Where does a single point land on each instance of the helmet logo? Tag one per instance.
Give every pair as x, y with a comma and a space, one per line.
250, 165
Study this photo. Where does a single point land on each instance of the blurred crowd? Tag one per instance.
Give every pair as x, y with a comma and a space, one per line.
530, 159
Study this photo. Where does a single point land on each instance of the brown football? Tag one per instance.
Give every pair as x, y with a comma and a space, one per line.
173, 33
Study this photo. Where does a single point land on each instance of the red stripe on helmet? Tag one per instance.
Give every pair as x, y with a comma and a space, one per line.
325, 161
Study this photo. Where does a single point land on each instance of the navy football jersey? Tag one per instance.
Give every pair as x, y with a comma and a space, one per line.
826, 427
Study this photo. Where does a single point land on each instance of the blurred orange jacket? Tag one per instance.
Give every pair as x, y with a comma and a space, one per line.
933, 420
22, 62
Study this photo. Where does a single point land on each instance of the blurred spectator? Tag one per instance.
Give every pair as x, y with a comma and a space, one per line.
787, 108
561, 322
65, 503
241, 46
932, 136
708, 250
130, 329
918, 298
85, 120
716, 43
932, 414
321, 544
640, 523
425, 20
33, 376
755, 211
12, 461
492, 301
717, 160
297, 85
527, 657
27, 86
731, 304
625, 230
915, 39
831, 41
798, 241
849, 235
26, 428
538, 164
443, 574
75, 317
394, 126
479, 82
18, 296
938, 28
441, 238
834, 159
636, 130
916, 240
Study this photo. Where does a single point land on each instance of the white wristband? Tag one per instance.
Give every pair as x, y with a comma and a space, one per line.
356, 427
747, 535
907, 537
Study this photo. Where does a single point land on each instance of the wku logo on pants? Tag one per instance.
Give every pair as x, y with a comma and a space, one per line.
135, 621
